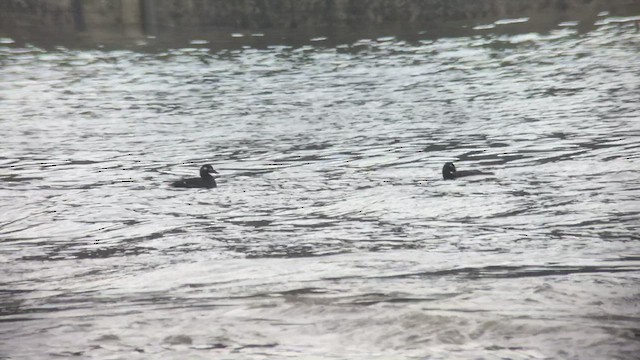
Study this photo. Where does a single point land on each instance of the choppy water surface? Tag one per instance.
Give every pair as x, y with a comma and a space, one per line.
331, 234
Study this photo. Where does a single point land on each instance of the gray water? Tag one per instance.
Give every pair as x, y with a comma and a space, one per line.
331, 234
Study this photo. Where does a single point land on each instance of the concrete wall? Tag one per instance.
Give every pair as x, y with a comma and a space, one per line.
280, 14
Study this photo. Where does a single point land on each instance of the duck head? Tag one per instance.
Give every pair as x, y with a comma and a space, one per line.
206, 170
449, 171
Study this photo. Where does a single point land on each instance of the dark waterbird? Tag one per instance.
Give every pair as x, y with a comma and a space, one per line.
449, 172
204, 181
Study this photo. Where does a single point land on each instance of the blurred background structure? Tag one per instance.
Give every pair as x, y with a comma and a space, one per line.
101, 20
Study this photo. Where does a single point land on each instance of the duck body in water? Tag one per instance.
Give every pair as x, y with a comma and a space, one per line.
204, 181
449, 172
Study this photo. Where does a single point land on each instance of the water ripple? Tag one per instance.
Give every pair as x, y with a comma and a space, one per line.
331, 220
